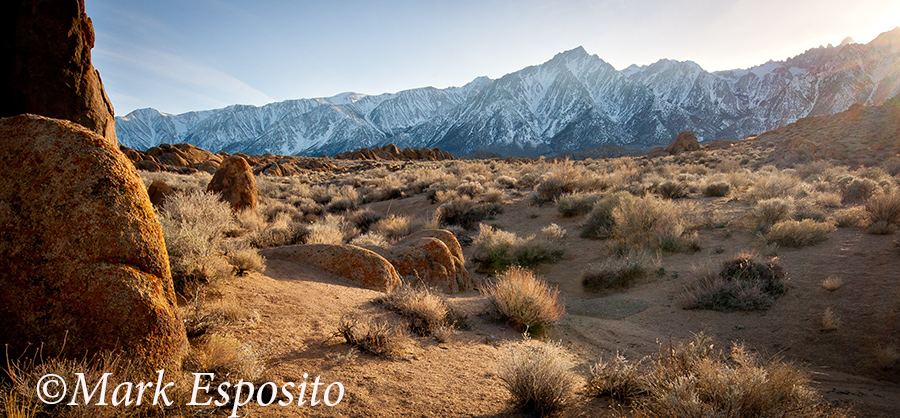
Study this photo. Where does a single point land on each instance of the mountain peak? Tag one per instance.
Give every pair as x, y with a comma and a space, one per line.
847, 41
577, 52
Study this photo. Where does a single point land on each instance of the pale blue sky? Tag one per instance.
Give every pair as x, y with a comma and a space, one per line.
183, 55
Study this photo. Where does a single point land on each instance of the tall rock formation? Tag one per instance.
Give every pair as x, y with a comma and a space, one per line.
45, 64
83, 265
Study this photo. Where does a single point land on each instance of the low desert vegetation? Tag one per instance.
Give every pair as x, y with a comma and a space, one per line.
428, 312
538, 377
227, 357
743, 283
465, 212
617, 378
194, 226
694, 380
791, 233
883, 211
497, 250
575, 204
373, 336
522, 298
620, 272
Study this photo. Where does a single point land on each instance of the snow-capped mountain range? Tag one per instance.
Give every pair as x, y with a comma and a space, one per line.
573, 102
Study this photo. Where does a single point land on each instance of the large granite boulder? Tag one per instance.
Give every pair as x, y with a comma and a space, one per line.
83, 265
234, 181
45, 64
433, 257
361, 266
684, 142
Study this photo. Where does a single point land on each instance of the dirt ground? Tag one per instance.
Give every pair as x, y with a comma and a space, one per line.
300, 308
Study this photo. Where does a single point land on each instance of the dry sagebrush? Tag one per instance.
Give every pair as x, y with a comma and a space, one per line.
520, 297
538, 378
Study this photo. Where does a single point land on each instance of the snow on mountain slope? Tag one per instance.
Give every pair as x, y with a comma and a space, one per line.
574, 101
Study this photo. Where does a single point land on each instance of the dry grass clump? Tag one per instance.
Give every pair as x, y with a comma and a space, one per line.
227, 357
204, 313
194, 226
376, 337
743, 283
495, 250
525, 300
558, 181
855, 189
278, 235
506, 182
394, 227
768, 212
245, 260
883, 211
371, 239
694, 380
19, 398
649, 222
332, 230
364, 219
471, 189
554, 232
619, 272
772, 184
538, 378
600, 223
428, 312
791, 233
717, 189
617, 378
852, 217
575, 204
830, 320
465, 212
832, 283
673, 190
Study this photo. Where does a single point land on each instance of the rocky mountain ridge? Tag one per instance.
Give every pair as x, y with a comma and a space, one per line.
573, 102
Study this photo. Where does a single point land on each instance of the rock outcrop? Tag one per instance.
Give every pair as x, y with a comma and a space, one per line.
433, 257
45, 65
159, 192
685, 141
234, 181
391, 152
361, 266
83, 265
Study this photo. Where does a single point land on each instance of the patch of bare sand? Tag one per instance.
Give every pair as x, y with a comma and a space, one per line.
300, 308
